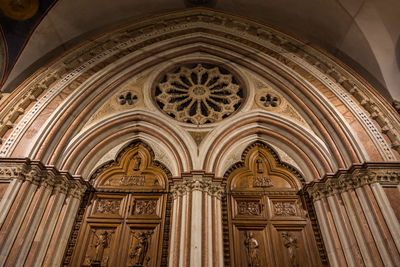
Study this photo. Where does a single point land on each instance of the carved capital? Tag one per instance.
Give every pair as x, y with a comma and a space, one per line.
76, 189
354, 178
34, 175
61, 184
197, 183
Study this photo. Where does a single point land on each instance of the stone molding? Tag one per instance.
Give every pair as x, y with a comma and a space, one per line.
41, 175
170, 23
197, 183
356, 176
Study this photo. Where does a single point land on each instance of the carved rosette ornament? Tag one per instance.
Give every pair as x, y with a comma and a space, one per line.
199, 94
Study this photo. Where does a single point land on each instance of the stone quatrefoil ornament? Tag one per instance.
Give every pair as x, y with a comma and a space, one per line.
199, 93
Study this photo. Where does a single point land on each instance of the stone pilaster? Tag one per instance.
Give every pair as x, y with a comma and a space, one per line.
192, 242
357, 222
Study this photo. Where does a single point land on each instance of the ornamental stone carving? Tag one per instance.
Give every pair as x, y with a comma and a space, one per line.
359, 175
199, 93
197, 184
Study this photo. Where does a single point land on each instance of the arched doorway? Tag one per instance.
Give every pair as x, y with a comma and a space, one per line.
268, 224
125, 220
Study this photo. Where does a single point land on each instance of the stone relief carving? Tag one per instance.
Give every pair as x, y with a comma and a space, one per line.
127, 98
270, 100
199, 184
337, 183
144, 207
199, 94
251, 244
137, 162
140, 248
249, 207
284, 208
290, 243
108, 206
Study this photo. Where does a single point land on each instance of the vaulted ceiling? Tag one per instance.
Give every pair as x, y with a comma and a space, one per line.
364, 34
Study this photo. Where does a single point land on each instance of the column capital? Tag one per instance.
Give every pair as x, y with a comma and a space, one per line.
76, 189
353, 178
197, 183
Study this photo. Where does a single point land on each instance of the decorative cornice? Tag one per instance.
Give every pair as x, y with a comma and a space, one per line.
356, 176
197, 183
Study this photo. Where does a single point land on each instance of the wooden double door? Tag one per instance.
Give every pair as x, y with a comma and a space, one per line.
122, 229
271, 230
268, 224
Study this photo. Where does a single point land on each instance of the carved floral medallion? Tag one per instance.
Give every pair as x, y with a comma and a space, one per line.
199, 93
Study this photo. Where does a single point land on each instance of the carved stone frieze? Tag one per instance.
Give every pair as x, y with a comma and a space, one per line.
359, 175
40, 175
284, 208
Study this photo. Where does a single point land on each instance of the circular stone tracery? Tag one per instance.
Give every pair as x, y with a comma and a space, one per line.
199, 93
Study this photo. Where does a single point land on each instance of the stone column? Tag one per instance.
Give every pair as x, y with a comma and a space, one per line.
196, 237
358, 225
38, 213
59, 240
17, 211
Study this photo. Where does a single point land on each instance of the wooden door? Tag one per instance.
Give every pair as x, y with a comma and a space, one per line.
267, 223
124, 222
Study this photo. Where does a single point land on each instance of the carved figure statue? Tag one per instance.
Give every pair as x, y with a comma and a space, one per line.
251, 244
136, 163
290, 242
259, 166
140, 248
102, 242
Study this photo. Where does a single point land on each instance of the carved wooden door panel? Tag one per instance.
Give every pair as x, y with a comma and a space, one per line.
124, 221
267, 223
122, 230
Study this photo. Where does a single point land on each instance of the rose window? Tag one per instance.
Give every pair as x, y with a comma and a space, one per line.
199, 93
